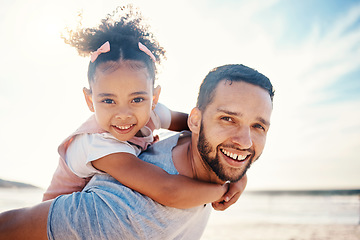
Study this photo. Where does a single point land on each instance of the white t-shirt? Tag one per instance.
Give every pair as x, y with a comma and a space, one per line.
86, 148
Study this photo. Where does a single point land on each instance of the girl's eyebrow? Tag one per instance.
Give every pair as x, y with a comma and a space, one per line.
113, 95
106, 95
140, 93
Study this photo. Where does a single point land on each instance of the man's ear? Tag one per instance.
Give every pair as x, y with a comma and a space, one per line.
88, 99
194, 120
156, 94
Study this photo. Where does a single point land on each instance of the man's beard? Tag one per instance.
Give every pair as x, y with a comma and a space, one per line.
205, 149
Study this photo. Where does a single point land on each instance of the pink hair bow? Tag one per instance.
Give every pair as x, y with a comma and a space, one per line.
143, 48
103, 49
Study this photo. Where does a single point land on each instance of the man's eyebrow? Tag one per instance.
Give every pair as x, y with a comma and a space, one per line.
260, 119
229, 112
263, 121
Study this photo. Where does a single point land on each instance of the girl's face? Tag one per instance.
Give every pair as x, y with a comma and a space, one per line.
122, 100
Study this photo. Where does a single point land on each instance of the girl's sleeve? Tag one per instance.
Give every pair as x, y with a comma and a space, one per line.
86, 148
164, 115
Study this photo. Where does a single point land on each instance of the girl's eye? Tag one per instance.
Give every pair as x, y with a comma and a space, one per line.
108, 101
137, 100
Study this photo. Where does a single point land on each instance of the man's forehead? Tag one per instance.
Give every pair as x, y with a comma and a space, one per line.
236, 97
237, 88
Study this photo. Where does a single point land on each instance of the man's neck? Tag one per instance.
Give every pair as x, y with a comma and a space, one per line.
188, 162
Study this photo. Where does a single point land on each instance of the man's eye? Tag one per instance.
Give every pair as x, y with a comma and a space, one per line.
228, 119
108, 101
259, 127
137, 100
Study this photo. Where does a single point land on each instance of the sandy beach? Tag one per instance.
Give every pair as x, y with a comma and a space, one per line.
265, 231
288, 217
259, 217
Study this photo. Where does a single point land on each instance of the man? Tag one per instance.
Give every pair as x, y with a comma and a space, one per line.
229, 127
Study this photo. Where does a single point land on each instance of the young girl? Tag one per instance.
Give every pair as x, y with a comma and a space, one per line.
121, 77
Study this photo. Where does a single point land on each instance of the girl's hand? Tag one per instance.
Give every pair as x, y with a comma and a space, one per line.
232, 195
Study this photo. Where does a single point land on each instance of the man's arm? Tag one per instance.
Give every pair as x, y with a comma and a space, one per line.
25, 223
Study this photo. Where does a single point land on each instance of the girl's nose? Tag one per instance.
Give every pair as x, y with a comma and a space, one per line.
123, 113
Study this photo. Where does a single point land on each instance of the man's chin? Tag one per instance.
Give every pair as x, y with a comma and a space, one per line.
224, 177
233, 175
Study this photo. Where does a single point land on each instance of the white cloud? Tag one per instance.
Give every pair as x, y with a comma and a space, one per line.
46, 102
315, 143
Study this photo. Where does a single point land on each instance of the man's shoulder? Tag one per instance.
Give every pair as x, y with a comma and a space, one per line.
170, 139
160, 153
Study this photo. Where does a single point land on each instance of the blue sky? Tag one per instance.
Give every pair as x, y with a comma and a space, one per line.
309, 49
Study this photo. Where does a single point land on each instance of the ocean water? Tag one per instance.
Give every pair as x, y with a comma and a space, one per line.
11, 198
251, 208
293, 208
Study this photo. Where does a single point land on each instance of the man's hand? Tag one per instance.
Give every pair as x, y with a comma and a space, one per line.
232, 195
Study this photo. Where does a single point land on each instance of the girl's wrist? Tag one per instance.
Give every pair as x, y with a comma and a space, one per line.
225, 187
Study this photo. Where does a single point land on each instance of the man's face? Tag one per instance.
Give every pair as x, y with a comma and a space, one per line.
233, 128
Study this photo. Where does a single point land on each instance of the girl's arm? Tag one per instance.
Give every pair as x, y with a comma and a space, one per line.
170, 190
232, 195
171, 120
178, 121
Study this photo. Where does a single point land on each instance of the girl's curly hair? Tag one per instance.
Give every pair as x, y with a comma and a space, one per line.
124, 30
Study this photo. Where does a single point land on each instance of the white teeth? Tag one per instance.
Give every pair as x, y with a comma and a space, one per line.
234, 155
124, 127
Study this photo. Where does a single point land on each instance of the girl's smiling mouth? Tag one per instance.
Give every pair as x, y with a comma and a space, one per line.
123, 129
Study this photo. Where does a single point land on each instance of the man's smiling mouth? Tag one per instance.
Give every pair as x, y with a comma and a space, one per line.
234, 156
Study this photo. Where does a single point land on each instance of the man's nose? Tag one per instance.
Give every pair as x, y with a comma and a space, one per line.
242, 137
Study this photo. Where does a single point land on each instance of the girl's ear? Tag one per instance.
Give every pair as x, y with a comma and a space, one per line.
88, 99
156, 94
194, 120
